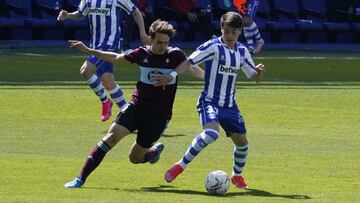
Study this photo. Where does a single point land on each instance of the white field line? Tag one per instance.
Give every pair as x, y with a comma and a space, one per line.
37, 55
79, 56
304, 58
255, 57
32, 54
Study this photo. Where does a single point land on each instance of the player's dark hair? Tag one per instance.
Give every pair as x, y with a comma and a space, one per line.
163, 27
231, 19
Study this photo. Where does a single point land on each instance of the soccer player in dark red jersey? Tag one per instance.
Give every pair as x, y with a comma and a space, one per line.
150, 107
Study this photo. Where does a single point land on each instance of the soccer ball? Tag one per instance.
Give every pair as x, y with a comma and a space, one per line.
217, 182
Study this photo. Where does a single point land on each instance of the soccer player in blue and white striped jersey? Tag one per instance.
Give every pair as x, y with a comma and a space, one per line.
224, 58
104, 20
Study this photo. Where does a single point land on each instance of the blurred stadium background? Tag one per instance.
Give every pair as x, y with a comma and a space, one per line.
294, 24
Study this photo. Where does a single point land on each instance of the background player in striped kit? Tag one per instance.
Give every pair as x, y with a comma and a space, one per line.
150, 108
224, 57
248, 9
104, 19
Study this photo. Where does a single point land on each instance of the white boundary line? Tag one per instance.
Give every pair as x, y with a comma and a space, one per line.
255, 57
31, 54
304, 57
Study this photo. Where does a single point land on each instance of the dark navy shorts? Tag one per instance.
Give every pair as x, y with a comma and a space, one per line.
101, 65
149, 129
230, 119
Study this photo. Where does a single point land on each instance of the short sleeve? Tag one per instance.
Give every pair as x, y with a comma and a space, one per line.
180, 56
249, 67
83, 8
135, 56
126, 5
203, 53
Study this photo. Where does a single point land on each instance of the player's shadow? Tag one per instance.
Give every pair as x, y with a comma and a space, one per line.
262, 193
167, 189
173, 135
164, 135
248, 192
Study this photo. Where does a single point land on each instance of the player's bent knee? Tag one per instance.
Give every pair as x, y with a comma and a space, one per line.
112, 138
240, 140
85, 72
115, 134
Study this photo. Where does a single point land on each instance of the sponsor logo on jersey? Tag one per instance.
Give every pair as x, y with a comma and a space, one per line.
228, 70
150, 75
99, 11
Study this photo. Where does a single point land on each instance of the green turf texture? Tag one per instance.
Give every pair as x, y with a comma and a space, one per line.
303, 124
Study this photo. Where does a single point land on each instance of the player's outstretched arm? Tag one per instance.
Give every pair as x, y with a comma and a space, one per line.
64, 15
163, 80
260, 69
105, 55
196, 72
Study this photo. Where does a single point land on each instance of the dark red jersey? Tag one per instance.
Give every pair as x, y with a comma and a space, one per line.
149, 99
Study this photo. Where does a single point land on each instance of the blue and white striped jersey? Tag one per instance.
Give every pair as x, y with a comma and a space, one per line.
104, 19
222, 65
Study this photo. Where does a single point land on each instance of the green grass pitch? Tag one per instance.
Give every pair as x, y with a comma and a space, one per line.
303, 124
